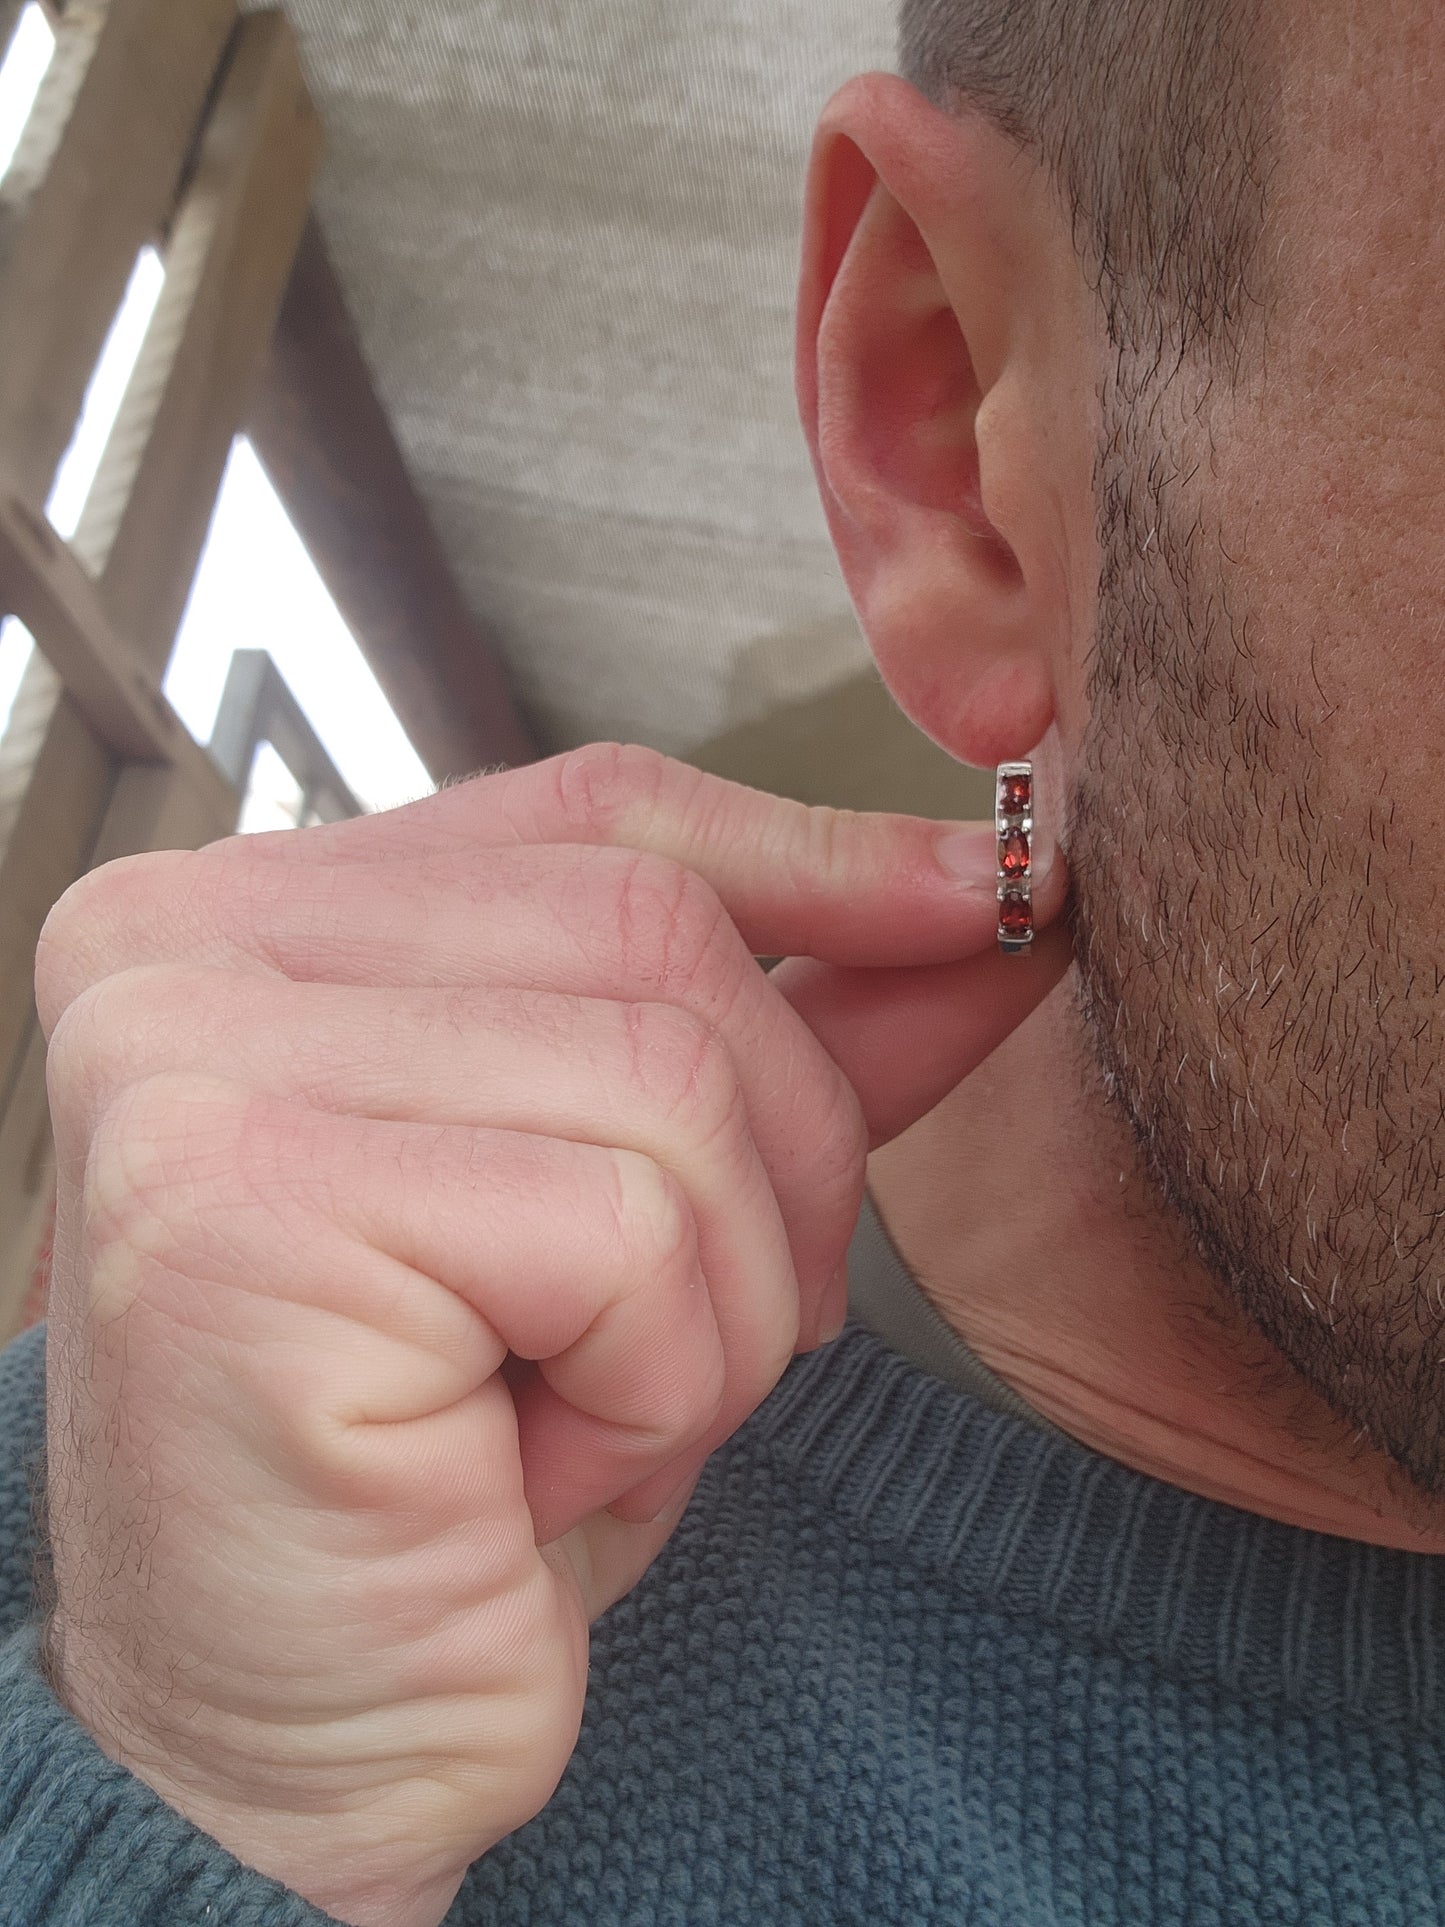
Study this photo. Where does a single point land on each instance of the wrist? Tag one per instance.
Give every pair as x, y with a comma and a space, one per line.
335, 1859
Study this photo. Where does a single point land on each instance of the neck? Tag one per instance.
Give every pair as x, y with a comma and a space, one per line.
1021, 1206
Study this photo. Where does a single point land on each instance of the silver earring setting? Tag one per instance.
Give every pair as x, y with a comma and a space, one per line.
1013, 816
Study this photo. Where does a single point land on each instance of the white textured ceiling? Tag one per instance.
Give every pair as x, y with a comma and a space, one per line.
568, 231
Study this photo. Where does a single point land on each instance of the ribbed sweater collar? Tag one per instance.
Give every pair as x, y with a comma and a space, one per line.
1028, 1522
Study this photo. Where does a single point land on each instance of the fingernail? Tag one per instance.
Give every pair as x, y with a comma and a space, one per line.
970, 856
677, 1501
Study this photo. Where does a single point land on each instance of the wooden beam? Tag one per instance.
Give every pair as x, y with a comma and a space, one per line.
10, 11
328, 447
128, 78
27, 1179
94, 179
256, 707
147, 515
227, 264
155, 808
42, 582
68, 799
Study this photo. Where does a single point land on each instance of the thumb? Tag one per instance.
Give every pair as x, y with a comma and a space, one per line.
905, 1037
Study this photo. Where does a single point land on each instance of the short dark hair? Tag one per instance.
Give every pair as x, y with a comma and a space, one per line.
1156, 119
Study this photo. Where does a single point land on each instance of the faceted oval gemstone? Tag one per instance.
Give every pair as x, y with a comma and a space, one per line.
1013, 913
1013, 854
1016, 795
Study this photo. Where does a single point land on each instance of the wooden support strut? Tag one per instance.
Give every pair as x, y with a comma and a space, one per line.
326, 443
106, 770
44, 585
10, 11
94, 179
228, 259
146, 518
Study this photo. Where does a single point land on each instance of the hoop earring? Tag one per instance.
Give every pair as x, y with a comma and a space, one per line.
1013, 817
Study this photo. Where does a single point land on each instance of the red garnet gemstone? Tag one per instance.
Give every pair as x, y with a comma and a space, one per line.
1016, 795
1013, 914
1014, 853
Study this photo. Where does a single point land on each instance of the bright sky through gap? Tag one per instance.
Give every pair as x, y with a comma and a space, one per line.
20, 75
256, 589
256, 586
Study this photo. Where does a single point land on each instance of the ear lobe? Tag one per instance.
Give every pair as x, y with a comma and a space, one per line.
895, 381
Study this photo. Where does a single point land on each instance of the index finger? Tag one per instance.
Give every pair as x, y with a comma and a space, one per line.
798, 879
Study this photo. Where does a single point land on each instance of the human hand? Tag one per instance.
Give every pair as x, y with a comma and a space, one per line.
436, 1192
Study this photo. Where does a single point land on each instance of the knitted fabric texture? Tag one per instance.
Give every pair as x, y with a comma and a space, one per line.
907, 1659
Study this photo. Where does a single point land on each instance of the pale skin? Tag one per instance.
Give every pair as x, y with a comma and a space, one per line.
438, 1191
939, 265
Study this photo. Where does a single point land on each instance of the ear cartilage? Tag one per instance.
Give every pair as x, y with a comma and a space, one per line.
1013, 816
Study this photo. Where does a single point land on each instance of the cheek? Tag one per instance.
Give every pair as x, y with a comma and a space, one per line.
1081, 620
1340, 562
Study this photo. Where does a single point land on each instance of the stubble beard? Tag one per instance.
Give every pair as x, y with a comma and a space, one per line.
1251, 997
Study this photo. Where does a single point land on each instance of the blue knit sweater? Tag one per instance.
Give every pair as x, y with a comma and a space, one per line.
908, 1658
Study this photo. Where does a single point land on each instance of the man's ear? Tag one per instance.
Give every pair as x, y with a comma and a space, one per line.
929, 374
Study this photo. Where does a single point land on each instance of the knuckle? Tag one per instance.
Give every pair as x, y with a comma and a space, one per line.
191, 1179
651, 1217
84, 922
668, 920
606, 787
151, 1142
821, 848
683, 1065
102, 1036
